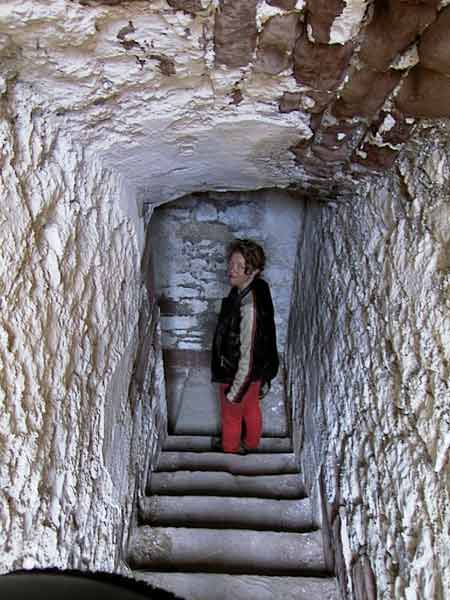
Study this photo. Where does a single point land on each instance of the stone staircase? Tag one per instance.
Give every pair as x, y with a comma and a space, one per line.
217, 526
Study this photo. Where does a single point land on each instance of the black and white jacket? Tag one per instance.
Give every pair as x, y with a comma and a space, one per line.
244, 347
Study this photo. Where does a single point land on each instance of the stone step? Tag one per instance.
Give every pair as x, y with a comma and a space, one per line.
196, 426
229, 551
251, 464
203, 443
210, 483
227, 512
214, 586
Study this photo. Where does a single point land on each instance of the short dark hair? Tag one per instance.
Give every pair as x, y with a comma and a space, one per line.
254, 256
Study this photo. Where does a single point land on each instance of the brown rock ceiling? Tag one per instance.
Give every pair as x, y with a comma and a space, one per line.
235, 32
434, 47
394, 26
320, 15
276, 43
363, 106
363, 93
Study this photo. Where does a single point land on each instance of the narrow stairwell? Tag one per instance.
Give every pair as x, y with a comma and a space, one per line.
216, 526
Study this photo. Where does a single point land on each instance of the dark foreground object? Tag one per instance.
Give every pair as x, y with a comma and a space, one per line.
76, 585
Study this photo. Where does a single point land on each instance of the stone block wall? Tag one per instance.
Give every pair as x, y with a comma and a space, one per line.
72, 298
368, 374
190, 238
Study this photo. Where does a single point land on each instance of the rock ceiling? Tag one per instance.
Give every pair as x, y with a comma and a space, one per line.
192, 95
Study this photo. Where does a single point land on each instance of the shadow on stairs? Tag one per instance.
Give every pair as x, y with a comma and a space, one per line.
218, 526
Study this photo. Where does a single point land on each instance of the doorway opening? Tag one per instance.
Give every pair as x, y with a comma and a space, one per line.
189, 239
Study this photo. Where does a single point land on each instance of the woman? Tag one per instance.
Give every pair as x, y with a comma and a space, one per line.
244, 354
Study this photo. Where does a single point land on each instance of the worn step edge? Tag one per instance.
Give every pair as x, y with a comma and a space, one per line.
203, 429
196, 483
251, 464
203, 443
227, 551
221, 586
227, 512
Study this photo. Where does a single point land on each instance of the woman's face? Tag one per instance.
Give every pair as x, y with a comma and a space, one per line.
236, 271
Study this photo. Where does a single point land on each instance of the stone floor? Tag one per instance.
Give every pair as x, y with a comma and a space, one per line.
217, 526
194, 408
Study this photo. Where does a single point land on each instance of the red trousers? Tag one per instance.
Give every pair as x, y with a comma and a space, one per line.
243, 415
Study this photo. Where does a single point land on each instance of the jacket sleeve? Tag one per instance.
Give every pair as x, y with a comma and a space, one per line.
247, 339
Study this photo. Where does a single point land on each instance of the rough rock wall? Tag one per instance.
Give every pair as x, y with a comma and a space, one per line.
71, 295
368, 363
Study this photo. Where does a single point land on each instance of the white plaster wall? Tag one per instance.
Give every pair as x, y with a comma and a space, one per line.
70, 289
369, 356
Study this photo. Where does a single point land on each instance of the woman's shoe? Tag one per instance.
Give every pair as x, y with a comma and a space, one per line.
216, 445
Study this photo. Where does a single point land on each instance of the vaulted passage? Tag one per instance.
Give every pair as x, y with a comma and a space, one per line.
136, 139
213, 525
